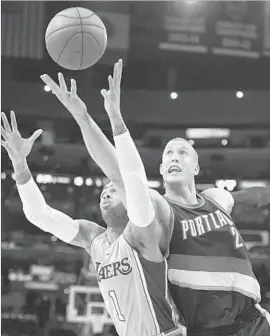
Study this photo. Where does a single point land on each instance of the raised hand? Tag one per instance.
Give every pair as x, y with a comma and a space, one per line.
17, 147
69, 99
112, 96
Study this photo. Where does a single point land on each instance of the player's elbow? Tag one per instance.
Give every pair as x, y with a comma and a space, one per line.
141, 219
36, 218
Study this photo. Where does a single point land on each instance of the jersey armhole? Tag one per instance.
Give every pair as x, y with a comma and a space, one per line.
171, 227
91, 243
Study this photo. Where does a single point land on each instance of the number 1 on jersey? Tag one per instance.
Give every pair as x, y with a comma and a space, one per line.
113, 296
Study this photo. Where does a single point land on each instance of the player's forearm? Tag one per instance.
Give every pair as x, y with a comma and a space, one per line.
36, 209
118, 125
100, 148
124, 150
255, 197
139, 205
24, 181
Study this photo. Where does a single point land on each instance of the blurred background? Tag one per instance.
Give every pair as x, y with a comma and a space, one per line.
193, 69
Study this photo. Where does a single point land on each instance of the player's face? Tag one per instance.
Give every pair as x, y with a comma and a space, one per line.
109, 198
179, 162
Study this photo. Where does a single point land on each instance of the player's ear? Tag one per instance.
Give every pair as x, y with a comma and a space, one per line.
196, 169
161, 169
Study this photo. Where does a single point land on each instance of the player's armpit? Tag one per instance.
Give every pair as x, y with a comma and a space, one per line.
152, 240
88, 231
145, 240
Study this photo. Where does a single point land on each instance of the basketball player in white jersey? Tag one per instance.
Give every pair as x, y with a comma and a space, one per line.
179, 167
130, 267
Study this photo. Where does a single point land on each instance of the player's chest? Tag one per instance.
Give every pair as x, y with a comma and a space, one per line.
190, 224
112, 262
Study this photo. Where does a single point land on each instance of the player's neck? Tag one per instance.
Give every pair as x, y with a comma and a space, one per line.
113, 233
185, 194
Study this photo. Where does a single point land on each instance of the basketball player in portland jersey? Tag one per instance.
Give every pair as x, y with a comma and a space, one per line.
210, 274
130, 267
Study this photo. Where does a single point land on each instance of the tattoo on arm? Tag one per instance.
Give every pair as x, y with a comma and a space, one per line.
119, 129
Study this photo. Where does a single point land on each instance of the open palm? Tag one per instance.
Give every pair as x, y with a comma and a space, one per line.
17, 147
69, 99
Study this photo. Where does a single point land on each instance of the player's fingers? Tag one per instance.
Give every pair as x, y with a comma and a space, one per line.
120, 68
111, 84
4, 133
119, 74
35, 135
116, 76
13, 121
4, 144
115, 71
73, 86
6, 123
62, 82
51, 83
104, 93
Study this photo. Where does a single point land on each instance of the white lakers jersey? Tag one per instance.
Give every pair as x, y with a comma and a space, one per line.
134, 289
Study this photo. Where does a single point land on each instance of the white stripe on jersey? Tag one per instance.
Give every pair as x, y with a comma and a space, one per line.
218, 281
166, 280
146, 291
263, 312
174, 317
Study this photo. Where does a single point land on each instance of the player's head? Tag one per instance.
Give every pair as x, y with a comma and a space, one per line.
179, 162
112, 209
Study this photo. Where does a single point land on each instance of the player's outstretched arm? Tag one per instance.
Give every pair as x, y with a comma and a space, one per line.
251, 198
239, 201
140, 200
35, 208
97, 144
139, 204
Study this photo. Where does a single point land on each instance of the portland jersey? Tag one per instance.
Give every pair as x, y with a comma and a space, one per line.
209, 270
134, 289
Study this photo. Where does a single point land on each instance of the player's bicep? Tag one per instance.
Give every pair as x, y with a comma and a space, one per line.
88, 231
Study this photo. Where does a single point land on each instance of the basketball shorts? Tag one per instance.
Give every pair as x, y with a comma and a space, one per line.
255, 323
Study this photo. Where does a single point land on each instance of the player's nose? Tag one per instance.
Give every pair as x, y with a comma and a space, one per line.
174, 159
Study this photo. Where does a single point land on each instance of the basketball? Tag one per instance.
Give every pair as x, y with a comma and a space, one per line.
76, 38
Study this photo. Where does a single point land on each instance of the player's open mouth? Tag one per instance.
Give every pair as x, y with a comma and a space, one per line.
174, 169
104, 203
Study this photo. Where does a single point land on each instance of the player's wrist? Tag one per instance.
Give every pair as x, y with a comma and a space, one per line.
19, 164
22, 172
84, 119
118, 125
119, 130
